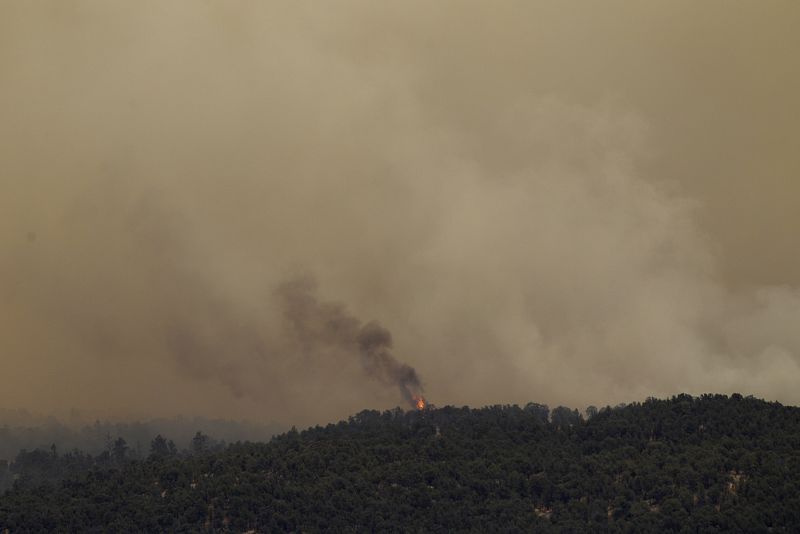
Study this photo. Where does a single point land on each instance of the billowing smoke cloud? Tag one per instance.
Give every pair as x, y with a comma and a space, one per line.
319, 325
243, 352
572, 206
375, 343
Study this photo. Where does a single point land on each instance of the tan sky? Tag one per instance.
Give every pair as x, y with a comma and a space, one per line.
566, 202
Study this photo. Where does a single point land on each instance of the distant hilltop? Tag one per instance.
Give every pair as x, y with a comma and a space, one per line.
713, 463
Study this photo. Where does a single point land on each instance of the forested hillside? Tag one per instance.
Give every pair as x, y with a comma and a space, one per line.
25, 431
707, 464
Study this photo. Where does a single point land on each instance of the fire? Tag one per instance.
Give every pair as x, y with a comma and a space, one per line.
419, 402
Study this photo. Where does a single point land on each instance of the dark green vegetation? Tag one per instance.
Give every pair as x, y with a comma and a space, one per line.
21, 430
708, 464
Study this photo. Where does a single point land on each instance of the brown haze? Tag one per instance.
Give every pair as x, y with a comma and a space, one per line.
566, 202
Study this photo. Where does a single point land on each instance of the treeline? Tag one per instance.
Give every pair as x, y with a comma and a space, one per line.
19, 430
686, 464
46, 467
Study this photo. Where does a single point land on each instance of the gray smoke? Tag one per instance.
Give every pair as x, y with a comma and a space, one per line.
320, 326
567, 205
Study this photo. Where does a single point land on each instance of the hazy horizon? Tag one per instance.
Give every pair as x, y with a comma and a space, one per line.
571, 203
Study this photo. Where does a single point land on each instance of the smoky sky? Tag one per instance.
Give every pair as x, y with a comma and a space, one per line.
566, 202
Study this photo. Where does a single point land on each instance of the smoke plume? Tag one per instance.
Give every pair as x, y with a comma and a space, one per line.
321, 325
571, 205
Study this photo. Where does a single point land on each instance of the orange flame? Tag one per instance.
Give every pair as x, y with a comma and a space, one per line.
419, 402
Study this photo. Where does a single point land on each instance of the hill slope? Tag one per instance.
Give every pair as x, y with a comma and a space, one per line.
713, 463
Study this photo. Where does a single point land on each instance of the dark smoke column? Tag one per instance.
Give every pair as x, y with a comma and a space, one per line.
375, 344
322, 325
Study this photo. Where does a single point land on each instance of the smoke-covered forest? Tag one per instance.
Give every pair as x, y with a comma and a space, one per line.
20, 430
686, 464
288, 212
